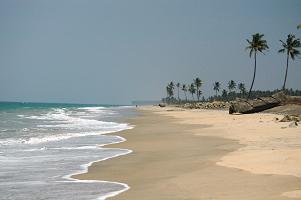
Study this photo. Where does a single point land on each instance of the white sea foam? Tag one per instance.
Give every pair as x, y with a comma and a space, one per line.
62, 124
58, 137
85, 168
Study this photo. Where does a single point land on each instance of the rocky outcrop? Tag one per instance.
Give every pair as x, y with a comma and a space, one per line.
207, 105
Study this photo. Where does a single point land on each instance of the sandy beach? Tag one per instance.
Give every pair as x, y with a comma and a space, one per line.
205, 154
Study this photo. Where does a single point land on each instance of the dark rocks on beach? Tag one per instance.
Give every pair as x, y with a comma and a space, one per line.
289, 118
207, 105
162, 105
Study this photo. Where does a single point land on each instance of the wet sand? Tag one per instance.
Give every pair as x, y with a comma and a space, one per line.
179, 155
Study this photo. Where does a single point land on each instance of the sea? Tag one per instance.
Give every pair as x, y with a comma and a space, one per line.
43, 144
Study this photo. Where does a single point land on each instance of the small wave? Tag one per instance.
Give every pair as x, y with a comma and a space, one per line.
62, 119
58, 137
62, 148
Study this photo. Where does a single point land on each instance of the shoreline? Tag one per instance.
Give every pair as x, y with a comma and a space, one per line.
85, 168
215, 147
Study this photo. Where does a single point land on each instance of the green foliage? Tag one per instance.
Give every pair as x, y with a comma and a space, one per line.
257, 44
231, 85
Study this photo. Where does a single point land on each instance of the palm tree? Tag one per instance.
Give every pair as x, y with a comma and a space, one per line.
192, 90
198, 84
231, 85
184, 88
169, 89
224, 94
291, 48
216, 87
257, 44
242, 88
172, 85
200, 93
178, 86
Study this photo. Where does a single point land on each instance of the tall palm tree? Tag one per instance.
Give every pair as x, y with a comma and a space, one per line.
231, 85
291, 48
258, 44
169, 89
192, 90
198, 84
178, 87
242, 88
216, 87
184, 88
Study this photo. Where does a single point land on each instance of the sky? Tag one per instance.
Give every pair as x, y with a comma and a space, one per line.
116, 51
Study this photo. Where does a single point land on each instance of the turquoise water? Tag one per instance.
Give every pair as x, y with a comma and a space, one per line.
42, 144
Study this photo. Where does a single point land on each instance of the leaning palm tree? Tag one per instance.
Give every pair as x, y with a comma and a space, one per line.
256, 45
291, 48
184, 88
178, 87
198, 84
216, 87
231, 85
192, 90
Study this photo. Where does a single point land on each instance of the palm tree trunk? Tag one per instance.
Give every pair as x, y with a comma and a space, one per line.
197, 93
283, 88
178, 95
185, 95
253, 76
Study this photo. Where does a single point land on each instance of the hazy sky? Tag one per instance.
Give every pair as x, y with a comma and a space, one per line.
115, 51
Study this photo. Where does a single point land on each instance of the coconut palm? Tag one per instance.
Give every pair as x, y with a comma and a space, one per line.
242, 88
291, 48
184, 88
224, 94
198, 84
199, 93
169, 89
231, 85
192, 90
258, 44
178, 87
216, 87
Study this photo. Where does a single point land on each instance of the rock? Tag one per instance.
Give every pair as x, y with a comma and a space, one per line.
289, 118
162, 105
293, 124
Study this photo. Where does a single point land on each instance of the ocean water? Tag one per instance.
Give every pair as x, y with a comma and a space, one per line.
43, 145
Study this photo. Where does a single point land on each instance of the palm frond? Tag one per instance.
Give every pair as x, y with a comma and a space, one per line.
281, 51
